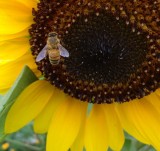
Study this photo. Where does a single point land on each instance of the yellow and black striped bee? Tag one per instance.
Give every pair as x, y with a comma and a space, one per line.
53, 49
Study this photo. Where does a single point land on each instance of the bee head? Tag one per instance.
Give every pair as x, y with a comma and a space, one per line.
52, 34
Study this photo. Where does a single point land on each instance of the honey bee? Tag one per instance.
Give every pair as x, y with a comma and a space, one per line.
53, 49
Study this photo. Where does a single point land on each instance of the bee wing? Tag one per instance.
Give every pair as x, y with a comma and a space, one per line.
63, 51
42, 54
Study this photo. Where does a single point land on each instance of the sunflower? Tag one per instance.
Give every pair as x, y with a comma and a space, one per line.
113, 64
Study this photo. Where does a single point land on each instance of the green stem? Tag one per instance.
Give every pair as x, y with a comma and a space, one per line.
30, 147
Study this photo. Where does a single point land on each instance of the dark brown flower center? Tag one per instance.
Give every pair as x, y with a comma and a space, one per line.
107, 51
114, 48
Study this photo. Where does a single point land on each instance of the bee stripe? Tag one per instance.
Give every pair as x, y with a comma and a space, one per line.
54, 62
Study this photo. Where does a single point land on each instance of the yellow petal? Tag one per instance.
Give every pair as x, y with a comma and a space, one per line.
78, 144
115, 131
42, 121
154, 99
15, 17
143, 121
28, 105
29, 3
11, 70
65, 125
13, 49
23, 34
96, 134
158, 92
127, 122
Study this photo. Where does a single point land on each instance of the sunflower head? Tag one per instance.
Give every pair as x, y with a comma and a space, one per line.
113, 47
114, 57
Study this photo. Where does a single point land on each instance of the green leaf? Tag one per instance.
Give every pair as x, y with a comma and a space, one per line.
25, 78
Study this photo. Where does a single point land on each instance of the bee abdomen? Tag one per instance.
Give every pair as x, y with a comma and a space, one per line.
54, 60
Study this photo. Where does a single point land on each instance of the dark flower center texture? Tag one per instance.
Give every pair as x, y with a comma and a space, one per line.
113, 48
103, 49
